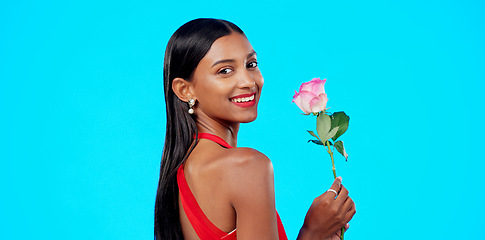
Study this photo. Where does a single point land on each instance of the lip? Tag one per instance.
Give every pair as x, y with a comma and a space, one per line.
245, 104
244, 95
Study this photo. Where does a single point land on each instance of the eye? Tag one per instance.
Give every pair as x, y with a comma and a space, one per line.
225, 71
252, 64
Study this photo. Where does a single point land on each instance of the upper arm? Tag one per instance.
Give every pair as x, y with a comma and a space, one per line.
251, 192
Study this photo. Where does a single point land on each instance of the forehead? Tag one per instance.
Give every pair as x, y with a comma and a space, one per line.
232, 46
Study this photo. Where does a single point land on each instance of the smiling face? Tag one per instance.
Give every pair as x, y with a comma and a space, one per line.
227, 82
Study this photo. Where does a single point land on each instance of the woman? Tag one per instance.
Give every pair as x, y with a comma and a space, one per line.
208, 187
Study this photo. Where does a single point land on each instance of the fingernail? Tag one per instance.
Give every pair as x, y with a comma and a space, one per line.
339, 178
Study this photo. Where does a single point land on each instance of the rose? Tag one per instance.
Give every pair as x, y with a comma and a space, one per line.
312, 97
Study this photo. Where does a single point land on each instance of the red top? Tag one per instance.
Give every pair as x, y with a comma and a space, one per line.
204, 228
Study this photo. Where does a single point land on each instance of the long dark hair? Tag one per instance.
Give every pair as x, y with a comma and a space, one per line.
187, 46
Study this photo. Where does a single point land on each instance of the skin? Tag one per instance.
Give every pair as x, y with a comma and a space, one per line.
235, 187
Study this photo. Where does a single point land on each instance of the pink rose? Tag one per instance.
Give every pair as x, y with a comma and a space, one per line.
312, 97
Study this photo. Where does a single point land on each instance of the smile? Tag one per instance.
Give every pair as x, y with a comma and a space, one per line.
244, 100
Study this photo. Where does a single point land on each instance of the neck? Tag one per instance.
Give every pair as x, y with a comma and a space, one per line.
226, 131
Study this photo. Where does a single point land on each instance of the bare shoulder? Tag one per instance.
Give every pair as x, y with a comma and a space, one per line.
247, 158
248, 173
244, 163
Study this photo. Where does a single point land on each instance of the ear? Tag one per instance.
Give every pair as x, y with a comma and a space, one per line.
183, 89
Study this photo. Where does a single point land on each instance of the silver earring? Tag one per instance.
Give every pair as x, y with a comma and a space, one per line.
191, 104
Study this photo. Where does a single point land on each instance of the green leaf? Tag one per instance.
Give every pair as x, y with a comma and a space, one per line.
341, 120
313, 134
339, 145
323, 125
316, 142
329, 142
331, 133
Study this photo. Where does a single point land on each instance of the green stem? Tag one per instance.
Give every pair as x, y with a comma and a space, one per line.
334, 177
331, 156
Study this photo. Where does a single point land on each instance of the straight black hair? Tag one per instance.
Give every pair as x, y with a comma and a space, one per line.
187, 46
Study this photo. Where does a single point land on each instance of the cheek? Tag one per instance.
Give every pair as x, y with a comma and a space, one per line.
259, 80
215, 90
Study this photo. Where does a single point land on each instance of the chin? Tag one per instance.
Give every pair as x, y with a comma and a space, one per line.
249, 119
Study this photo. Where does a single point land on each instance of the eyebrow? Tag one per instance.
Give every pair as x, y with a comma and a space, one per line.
232, 60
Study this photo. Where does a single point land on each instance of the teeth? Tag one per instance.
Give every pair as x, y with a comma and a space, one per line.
245, 99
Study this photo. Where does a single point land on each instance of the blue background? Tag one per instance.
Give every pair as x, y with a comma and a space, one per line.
82, 112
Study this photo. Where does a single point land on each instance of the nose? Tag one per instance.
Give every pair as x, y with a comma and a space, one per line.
246, 80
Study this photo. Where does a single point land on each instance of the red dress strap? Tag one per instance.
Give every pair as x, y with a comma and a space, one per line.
204, 228
215, 139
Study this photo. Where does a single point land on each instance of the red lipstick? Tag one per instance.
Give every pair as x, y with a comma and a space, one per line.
244, 95
244, 100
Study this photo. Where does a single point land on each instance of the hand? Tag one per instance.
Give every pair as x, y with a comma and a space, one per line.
336, 235
328, 213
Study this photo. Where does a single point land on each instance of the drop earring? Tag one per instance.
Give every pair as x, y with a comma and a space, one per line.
191, 104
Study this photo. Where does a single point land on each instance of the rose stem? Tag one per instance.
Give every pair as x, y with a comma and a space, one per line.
334, 177
331, 156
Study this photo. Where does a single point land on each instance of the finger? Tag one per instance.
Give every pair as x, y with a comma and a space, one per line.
334, 189
350, 213
336, 235
339, 232
347, 205
337, 183
343, 194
